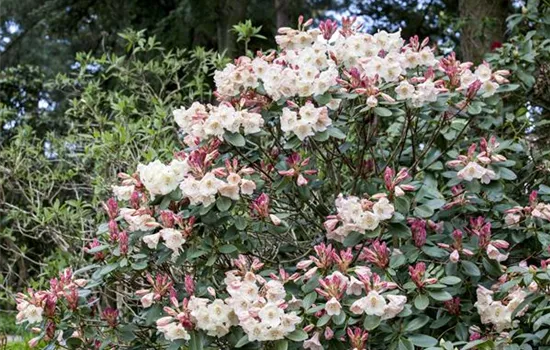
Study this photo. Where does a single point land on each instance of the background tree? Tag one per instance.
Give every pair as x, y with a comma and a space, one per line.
53, 179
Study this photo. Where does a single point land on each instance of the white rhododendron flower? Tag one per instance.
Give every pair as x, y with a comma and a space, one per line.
375, 304
353, 216
333, 307
158, 178
173, 239
472, 171
494, 311
542, 210
151, 240
123, 193
202, 122
29, 313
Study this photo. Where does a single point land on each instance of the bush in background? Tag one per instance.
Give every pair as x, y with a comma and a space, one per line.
60, 159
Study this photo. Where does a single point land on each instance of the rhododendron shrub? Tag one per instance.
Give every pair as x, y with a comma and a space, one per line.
347, 191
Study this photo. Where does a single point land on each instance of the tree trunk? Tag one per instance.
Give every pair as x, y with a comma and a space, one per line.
282, 14
485, 25
231, 12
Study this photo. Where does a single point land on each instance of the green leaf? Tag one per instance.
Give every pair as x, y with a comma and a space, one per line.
196, 341
450, 280
353, 239
323, 99
507, 174
309, 300
422, 340
529, 300
417, 323
336, 133
242, 342
281, 344
474, 109
127, 332
235, 139
223, 203
107, 269
440, 295
507, 87
434, 251
240, 223
397, 260
487, 344
423, 211
97, 249
405, 344
440, 322
421, 301
371, 322
402, 204
153, 314
383, 112
470, 268
140, 265
297, 336
227, 249
323, 320
435, 204
340, 318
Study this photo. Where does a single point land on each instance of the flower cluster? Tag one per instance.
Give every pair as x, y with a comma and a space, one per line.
40, 307
355, 214
477, 166
200, 122
306, 122
498, 312
535, 209
256, 305
192, 173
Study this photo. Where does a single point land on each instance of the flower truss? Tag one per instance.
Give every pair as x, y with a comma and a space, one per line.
346, 191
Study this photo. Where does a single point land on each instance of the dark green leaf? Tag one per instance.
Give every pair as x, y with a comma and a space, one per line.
421, 301
371, 322
235, 139
422, 340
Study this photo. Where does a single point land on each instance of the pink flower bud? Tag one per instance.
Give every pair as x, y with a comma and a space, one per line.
289, 172
189, 285
330, 225
454, 163
142, 292
310, 273
499, 243
275, 220
163, 321
467, 252
329, 333
302, 181
455, 256
304, 264
387, 97
81, 282
533, 286
484, 160
399, 191
34, 341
